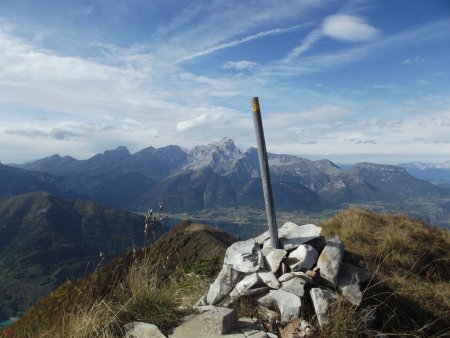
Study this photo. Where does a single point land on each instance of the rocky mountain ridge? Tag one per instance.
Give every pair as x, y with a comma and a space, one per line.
221, 175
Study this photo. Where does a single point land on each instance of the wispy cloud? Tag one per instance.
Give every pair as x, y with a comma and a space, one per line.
411, 60
54, 133
369, 50
237, 42
342, 27
306, 44
239, 65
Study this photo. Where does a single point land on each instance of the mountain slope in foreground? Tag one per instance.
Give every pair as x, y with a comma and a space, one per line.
141, 285
410, 290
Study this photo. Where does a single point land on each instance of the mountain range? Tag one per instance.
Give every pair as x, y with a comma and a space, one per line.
210, 176
438, 174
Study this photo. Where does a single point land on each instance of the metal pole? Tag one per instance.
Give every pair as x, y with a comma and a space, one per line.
265, 175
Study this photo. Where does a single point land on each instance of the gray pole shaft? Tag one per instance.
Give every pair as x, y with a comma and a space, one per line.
265, 174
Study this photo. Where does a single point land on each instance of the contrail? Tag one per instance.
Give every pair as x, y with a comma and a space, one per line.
233, 43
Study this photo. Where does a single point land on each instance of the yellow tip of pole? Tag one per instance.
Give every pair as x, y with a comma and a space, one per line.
255, 104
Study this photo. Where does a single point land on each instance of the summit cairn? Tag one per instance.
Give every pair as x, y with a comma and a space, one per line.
281, 282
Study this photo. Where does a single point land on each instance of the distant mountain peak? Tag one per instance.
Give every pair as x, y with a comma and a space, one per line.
121, 150
226, 142
221, 156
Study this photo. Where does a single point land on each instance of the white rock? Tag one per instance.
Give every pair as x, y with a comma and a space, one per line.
269, 279
142, 330
243, 256
348, 282
204, 308
242, 288
287, 303
302, 258
295, 285
218, 321
354, 273
267, 250
352, 293
274, 258
249, 328
330, 259
202, 301
223, 285
323, 301
263, 237
285, 277
305, 276
292, 235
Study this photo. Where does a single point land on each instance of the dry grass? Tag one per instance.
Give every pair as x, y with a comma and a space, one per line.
411, 261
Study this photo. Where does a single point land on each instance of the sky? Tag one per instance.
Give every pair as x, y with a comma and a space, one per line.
351, 81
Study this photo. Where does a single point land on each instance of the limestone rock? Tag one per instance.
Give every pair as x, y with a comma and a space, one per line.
330, 260
267, 250
292, 235
268, 316
274, 259
249, 328
323, 301
295, 285
242, 288
354, 273
219, 320
298, 328
302, 258
223, 285
287, 303
142, 330
285, 277
303, 275
348, 282
269, 279
202, 301
317, 243
265, 236
243, 256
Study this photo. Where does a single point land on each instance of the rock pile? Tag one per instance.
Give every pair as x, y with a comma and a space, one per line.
282, 282
279, 280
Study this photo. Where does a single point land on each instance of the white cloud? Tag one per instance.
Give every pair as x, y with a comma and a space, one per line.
411, 60
239, 65
341, 27
207, 116
349, 28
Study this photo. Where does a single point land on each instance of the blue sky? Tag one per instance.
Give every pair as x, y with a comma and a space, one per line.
346, 80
